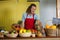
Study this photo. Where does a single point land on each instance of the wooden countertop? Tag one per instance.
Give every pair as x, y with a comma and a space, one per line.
28, 37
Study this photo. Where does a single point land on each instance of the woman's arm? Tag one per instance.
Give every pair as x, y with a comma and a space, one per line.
40, 24
38, 21
41, 27
23, 19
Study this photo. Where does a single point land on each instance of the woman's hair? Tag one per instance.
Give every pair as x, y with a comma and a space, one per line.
29, 8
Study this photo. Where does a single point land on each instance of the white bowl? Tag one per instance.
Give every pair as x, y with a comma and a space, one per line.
12, 35
27, 34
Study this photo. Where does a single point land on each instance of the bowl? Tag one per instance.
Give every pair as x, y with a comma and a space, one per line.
27, 34
12, 35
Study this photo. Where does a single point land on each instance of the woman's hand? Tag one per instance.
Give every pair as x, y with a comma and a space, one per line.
41, 27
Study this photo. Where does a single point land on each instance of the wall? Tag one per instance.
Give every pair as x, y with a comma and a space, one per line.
11, 12
47, 10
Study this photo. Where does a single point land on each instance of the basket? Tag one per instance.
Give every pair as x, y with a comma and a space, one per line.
51, 32
12, 35
25, 34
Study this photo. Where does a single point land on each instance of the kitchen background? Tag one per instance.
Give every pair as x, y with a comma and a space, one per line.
11, 11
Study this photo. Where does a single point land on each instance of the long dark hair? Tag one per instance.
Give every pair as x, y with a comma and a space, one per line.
29, 8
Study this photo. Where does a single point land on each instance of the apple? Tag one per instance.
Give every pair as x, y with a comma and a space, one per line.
28, 30
22, 30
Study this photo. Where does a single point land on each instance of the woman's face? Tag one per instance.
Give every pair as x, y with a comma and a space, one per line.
33, 9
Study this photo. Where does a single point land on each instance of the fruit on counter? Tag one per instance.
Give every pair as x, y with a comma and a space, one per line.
53, 26
33, 31
24, 30
6, 32
50, 27
39, 34
28, 30
11, 34
25, 33
16, 27
47, 26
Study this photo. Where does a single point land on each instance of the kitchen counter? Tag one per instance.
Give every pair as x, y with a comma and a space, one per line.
31, 38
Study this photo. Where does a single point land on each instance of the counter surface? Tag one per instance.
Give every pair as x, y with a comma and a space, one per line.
31, 38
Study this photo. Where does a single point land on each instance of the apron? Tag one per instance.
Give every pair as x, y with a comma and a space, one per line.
29, 22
